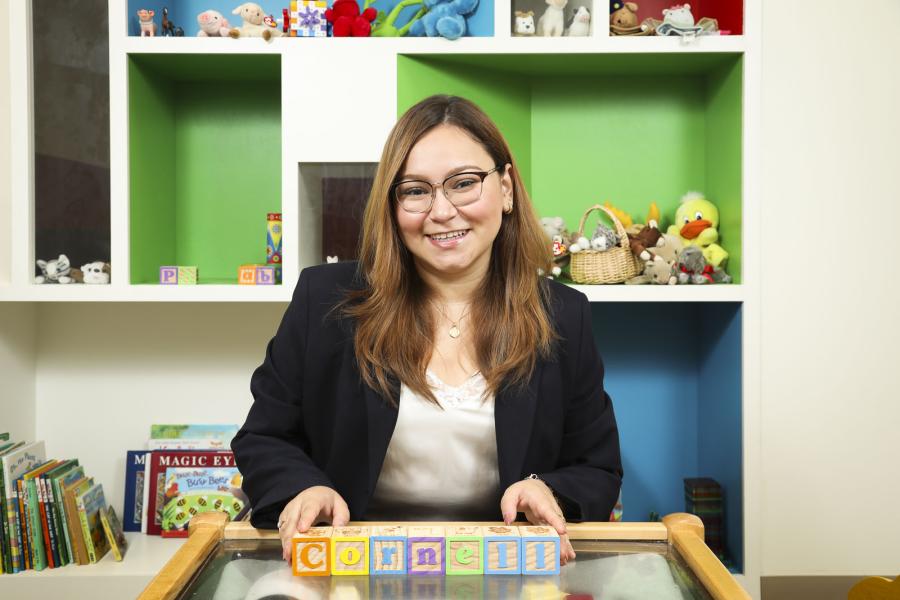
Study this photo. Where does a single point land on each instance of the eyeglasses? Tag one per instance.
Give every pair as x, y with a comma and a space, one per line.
460, 189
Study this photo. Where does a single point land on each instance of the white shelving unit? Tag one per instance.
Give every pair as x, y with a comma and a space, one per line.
372, 66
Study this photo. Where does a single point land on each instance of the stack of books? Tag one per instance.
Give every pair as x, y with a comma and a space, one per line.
703, 497
53, 513
185, 470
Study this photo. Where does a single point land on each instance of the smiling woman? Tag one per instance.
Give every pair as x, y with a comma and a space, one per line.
439, 377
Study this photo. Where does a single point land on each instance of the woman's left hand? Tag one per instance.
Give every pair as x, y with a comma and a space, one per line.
534, 498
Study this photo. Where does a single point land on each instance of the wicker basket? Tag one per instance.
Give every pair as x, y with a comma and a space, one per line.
614, 265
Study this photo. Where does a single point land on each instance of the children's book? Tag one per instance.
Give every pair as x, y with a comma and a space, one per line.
5, 540
189, 444
70, 493
191, 491
115, 537
194, 431
39, 535
135, 461
59, 483
15, 463
52, 508
155, 484
89, 504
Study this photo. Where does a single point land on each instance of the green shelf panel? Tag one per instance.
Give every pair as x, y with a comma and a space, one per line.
586, 129
205, 161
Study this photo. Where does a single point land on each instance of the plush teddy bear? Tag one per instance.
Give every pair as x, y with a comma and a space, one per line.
96, 272
623, 14
524, 23
552, 22
693, 268
212, 24
445, 18
347, 21
254, 23
58, 270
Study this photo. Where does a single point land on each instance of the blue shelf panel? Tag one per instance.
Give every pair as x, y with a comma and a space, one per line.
673, 371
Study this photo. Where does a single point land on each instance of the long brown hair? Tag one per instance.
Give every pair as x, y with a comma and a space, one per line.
394, 326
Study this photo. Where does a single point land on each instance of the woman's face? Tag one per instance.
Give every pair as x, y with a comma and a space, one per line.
440, 153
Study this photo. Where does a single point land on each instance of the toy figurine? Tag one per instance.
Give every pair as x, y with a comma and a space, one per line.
581, 23
552, 23
148, 25
168, 27
524, 23
212, 24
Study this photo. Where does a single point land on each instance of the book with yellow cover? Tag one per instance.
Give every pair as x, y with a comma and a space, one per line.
114, 534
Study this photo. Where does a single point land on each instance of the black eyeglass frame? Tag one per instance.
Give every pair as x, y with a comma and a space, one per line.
434, 187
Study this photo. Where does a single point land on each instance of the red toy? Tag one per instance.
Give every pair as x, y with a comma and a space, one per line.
346, 21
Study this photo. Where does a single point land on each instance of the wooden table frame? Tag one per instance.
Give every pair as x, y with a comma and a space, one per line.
681, 530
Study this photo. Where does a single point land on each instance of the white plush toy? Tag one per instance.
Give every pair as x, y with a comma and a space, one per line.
57, 270
96, 272
524, 23
679, 16
581, 23
212, 24
254, 24
552, 22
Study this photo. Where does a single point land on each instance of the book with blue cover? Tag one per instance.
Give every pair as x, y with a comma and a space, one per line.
135, 462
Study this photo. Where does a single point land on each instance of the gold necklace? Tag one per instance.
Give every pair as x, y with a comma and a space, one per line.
454, 325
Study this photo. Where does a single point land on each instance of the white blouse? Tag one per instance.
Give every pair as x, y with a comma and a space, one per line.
440, 464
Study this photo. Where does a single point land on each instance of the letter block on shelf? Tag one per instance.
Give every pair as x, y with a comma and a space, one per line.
311, 552
387, 550
540, 550
425, 550
168, 275
187, 275
350, 551
247, 275
465, 550
502, 550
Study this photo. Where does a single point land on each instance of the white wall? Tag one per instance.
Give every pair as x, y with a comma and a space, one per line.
830, 401
5, 188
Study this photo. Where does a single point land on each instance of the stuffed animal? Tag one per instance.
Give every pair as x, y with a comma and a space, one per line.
693, 268
678, 20
148, 25
580, 244
645, 239
667, 247
581, 23
524, 23
347, 21
604, 238
253, 23
212, 24
657, 272
552, 22
696, 223
96, 272
57, 270
623, 14
445, 18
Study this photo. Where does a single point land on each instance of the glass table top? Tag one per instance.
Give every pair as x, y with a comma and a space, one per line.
254, 570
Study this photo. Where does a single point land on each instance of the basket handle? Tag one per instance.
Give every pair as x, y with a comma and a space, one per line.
623, 235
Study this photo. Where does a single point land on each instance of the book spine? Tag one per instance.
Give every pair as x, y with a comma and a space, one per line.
4, 529
51, 523
74, 528
64, 519
44, 522
12, 510
34, 522
86, 532
65, 557
24, 527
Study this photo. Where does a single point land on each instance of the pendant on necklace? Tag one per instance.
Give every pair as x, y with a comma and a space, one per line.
454, 331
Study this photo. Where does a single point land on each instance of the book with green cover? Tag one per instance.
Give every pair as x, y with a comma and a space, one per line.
39, 540
5, 540
225, 433
70, 492
58, 483
52, 505
14, 464
89, 504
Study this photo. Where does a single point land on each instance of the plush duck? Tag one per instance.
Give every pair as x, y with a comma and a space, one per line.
696, 224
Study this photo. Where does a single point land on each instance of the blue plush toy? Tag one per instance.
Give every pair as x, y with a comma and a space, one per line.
444, 18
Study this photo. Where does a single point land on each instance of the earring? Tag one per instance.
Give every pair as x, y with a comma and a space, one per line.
507, 208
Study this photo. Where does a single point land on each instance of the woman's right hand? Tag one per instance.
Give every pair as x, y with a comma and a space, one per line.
312, 505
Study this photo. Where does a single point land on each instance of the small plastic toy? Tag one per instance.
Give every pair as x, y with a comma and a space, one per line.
148, 25
168, 27
581, 23
524, 23
552, 22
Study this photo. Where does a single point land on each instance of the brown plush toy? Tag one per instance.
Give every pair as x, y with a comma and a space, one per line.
623, 14
644, 240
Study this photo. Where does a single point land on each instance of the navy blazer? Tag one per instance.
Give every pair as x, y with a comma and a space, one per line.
314, 422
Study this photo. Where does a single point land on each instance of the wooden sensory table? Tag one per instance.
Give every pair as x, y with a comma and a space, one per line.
640, 560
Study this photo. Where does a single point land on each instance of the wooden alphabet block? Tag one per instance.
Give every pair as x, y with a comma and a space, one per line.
350, 551
247, 275
311, 552
425, 550
265, 275
502, 550
388, 550
168, 275
540, 550
465, 550
187, 275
